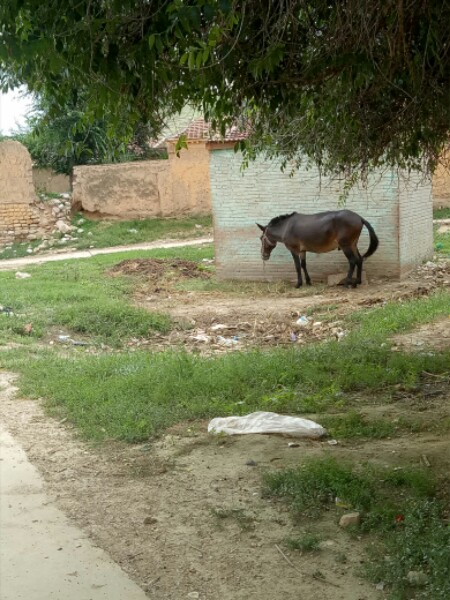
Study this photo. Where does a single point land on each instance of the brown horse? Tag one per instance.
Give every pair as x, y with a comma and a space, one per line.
319, 233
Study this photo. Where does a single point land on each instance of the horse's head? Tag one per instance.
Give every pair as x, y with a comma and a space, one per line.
267, 244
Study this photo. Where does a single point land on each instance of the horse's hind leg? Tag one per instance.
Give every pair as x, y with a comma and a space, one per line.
359, 266
352, 261
298, 269
303, 264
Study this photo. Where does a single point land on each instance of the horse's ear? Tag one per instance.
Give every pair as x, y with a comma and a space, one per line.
261, 227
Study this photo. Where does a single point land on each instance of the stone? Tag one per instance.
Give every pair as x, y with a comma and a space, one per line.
150, 521
352, 518
62, 226
417, 578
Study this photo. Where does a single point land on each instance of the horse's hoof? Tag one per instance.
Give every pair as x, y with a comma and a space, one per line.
309, 282
299, 285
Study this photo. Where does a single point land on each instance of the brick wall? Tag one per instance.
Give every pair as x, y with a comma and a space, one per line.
22, 218
441, 183
239, 199
416, 222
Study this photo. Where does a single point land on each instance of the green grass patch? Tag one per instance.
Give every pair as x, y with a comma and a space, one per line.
355, 425
133, 396
75, 296
442, 243
308, 542
420, 543
238, 515
396, 506
104, 233
441, 213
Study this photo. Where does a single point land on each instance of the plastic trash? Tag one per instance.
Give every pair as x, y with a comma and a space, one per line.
302, 321
21, 275
267, 422
293, 336
223, 341
201, 337
64, 338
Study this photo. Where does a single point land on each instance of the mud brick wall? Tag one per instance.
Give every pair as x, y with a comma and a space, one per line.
22, 218
401, 217
144, 189
441, 183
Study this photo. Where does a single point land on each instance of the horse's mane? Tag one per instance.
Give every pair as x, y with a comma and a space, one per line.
278, 219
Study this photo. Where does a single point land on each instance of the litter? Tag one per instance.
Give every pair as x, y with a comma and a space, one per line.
21, 275
267, 422
293, 337
302, 321
6, 310
223, 341
218, 326
201, 337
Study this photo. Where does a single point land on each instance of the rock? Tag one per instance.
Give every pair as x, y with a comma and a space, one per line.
193, 595
150, 521
251, 463
352, 518
62, 226
417, 578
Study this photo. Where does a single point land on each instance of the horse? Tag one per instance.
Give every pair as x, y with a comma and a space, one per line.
321, 232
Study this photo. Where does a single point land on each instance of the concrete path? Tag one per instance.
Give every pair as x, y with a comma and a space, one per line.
12, 264
42, 555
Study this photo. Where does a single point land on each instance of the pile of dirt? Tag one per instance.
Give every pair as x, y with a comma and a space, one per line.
160, 272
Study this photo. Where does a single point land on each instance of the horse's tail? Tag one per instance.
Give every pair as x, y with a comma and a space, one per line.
373, 239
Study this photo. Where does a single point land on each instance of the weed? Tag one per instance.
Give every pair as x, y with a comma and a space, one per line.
238, 515
308, 542
421, 543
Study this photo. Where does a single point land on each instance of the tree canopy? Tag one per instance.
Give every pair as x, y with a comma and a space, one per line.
351, 84
67, 138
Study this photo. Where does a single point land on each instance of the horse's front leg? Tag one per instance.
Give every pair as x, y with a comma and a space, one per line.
303, 265
298, 268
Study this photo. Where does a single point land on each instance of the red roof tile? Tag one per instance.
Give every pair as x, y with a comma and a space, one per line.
199, 130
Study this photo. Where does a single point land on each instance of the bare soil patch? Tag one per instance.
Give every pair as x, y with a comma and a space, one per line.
219, 321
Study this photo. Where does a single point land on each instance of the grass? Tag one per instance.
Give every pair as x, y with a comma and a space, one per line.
77, 298
115, 233
134, 396
308, 542
441, 213
442, 243
104, 233
238, 515
355, 425
397, 508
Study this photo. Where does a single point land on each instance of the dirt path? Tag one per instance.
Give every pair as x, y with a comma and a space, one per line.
17, 263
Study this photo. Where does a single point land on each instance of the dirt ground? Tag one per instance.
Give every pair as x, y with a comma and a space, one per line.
261, 315
184, 516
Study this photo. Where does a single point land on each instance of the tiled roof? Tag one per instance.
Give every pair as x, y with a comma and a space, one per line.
199, 130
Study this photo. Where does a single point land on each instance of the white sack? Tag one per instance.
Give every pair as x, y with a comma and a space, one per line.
267, 422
